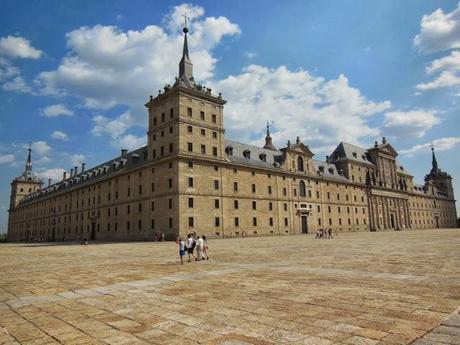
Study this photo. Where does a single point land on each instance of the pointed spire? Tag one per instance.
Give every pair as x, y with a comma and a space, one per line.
434, 162
29, 160
268, 140
185, 64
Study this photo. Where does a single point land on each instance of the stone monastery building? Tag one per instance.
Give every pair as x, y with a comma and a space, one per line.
190, 178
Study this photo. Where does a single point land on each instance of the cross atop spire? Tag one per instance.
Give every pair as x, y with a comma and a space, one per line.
29, 159
185, 64
268, 140
434, 162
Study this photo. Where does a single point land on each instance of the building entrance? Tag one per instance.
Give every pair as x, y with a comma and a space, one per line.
392, 220
304, 223
93, 231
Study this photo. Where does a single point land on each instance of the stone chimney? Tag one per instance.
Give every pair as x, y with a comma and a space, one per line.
64, 175
376, 144
75, 171
297, 140
327, 158
384, 140
49, 182
83, 167
71, 173
124, 152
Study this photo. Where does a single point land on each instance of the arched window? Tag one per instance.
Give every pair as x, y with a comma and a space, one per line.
302, 188
299, 163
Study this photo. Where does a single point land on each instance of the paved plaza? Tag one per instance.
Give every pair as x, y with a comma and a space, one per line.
359, 288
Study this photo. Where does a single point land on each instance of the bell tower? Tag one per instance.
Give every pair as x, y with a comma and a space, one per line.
25, 184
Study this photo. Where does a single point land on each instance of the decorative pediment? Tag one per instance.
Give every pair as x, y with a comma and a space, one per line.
388, 149
301, 148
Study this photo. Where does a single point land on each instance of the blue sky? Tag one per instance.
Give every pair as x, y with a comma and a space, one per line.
74, 76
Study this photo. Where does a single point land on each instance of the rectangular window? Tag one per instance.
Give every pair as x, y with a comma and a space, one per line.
214, 135
286, 222
203, 149
203, 131
270, 206
190, 181
170, 223
217, 221
190, 202
214, 118
328, 195
139, 224
285, 206
190, 147
269, 189
254, 221
139, 208
216, 203
235, 186
190, 164
216, 184
171, 113
235, 204
317, 195
189, 112
237, 221
214, 151
154, 121
284, 191
254, 205
153, 206
162, 151
253, 188
170, 183
163, 117
270, 221
153, 187
190, 129
128, 209
127, 225
202, 115
140, 189
170, 203
319, 221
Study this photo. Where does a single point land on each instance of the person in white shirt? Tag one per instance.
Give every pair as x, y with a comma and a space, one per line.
199, 248
190, 247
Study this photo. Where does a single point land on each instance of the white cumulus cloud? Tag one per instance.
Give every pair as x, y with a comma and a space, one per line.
113, 127
107, 66
129, 141
56, 110
441, 144
55, 174
6, 159
18, 47
439, 31
41, 147
77, 159
58, 135
320, 111
17, 84
404, 124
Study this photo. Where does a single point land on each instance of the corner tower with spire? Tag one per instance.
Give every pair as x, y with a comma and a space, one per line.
441, 179
26, 183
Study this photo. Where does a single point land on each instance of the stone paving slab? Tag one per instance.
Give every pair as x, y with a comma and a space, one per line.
359, 288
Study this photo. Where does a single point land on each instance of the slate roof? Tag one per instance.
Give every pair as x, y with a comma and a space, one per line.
273, 158
346, 151
328, 171
129, 161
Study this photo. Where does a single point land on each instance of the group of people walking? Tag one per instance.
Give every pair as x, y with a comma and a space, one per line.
324, 233
193, 244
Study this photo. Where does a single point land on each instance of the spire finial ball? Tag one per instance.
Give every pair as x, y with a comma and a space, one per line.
185, 30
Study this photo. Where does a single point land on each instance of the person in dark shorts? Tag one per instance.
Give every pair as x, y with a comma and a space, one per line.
181, 244
191, 247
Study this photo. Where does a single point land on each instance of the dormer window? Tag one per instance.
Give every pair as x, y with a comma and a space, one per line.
364, 157
321, 168
229, 150
331, 171
247, 154
263, 157
354, 154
